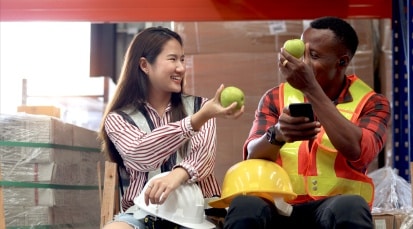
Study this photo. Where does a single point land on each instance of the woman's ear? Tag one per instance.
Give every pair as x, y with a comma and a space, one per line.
143, 64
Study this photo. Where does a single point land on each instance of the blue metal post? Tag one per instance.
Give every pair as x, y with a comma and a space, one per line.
402, 96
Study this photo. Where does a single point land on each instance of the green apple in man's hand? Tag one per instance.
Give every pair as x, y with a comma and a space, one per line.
295, 47
232, 94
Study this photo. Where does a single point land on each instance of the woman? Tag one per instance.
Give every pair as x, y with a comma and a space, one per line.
150, 126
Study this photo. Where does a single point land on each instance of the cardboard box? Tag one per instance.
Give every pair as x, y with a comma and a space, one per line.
384, 221
386, 84
40, 110
51, 217
386, 41
237, 36
363, 66
365, 32
388, 220
27, 172
35, 129
254, 73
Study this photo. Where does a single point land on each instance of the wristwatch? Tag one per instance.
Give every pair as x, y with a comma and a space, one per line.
271, 137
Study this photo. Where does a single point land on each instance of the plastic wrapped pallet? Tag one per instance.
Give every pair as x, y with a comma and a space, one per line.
393, 198
392, 192
49, 175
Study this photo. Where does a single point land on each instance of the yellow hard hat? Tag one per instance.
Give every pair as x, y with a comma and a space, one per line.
255, 177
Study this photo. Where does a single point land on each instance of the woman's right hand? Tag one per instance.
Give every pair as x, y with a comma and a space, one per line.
159, 188
213, 108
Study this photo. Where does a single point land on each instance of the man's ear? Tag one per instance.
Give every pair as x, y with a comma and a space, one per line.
344, 60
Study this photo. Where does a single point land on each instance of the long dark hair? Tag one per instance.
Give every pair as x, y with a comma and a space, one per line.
132, 87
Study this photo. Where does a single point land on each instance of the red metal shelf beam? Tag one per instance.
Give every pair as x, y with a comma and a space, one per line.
188, 10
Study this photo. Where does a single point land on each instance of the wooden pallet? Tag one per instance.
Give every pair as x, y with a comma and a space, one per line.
110, 201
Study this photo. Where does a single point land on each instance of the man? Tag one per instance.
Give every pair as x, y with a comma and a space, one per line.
326, 159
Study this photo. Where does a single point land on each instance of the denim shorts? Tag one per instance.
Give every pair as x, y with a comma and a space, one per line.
135, 223
129, 219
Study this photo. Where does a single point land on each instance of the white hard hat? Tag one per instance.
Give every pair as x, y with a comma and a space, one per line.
184, 206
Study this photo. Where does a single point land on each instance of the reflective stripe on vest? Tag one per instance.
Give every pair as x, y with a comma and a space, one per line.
322, 171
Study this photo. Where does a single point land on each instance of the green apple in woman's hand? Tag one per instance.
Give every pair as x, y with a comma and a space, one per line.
232, 94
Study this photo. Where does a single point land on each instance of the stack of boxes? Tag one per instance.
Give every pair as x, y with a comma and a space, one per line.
49, 173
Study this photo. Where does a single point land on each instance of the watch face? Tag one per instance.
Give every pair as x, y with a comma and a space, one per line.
271, 137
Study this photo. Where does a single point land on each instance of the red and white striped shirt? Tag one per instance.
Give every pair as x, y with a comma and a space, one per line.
143, 152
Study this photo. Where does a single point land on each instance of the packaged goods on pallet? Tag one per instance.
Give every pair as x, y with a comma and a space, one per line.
49, 174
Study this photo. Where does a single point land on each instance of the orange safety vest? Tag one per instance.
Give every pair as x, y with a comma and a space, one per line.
322, 171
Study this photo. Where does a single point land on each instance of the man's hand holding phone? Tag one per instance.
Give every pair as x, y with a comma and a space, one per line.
295, 130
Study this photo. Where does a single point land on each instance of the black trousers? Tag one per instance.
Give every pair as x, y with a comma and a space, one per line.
338, 212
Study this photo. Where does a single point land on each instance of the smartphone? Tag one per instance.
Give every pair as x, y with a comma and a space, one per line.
302, 109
